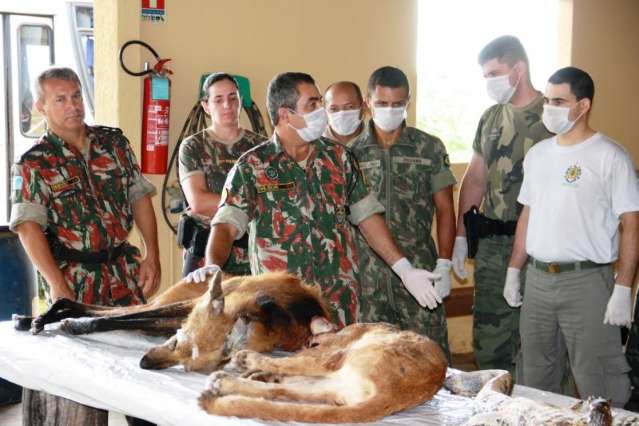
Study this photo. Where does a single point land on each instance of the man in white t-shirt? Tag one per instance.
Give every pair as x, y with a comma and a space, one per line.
580, 215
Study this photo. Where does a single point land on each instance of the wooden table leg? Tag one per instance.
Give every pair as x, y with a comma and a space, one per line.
43, 409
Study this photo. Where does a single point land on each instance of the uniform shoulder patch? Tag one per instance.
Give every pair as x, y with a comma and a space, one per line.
17, 182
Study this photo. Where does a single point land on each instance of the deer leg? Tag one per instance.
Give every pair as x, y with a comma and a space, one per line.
65, 308
294, 388
161, 320
160, 326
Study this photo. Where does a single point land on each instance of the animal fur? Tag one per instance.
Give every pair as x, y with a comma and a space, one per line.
262, 313
360, 374
494, 406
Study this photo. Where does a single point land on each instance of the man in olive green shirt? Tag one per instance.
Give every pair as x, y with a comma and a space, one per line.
408, 171
492, 180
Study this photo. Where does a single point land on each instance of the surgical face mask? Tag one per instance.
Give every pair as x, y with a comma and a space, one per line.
499, 88
345, 122
316, 122
556, 120
389, 118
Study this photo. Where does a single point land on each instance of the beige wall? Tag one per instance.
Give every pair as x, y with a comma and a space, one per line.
605, 43
259, 39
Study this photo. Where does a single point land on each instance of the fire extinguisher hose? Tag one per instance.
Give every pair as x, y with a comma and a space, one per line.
143, 72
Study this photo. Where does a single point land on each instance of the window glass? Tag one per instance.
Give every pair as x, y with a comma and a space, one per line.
35, 45
451, 92
84, 35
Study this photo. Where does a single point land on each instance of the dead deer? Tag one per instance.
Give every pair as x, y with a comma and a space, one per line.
494, 406
359, 374
263, 313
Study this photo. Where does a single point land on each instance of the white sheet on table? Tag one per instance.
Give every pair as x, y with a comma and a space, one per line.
101, 370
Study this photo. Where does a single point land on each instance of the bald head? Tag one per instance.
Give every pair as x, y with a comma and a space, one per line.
343, 95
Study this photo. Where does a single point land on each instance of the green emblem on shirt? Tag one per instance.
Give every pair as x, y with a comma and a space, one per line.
271, 173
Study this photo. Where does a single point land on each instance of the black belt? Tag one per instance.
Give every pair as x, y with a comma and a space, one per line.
559, 267
62, 253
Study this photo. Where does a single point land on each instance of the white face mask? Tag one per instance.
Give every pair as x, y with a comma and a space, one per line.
345, 123
499, 88
316, 122
556, 120
389, 118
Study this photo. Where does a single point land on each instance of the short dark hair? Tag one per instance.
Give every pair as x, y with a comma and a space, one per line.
581, 84
506, 49
214, 78
355, 87
388, 77
282, 92
59, 73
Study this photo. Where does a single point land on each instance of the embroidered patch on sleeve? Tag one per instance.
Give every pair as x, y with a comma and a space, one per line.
17, 183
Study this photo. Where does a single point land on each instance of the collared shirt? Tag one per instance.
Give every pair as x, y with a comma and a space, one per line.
85, 200
297, 218
404, 178
203, 154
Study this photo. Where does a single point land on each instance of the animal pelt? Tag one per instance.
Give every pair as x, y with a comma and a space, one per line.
208, 321
494, 405
262, 313
359, 374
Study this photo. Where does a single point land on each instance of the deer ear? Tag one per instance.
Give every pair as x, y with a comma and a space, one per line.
215, 286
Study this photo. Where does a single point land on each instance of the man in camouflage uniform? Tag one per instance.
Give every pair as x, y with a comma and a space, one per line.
344, 105
205, 158
75, 195
294, 195
494, 175
408, 171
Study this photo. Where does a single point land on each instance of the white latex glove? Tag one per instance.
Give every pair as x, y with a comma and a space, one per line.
419, 282
619, 307
460, 253
200, 275
442, 285
511, 288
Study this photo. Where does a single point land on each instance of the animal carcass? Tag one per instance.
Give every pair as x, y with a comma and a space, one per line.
359, 374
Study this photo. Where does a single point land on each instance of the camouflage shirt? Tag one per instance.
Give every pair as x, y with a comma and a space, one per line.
202, 154
297, 217
504, 134
84, 199
404, 178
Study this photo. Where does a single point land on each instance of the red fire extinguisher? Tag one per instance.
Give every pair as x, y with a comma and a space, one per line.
156, 105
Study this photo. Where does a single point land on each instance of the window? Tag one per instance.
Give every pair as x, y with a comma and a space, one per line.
35, 44
83, 35
451, 92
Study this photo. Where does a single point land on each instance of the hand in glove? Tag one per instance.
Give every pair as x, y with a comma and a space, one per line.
619, 307
419, 282
442, 285
460, 253
511, 288
200, 275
